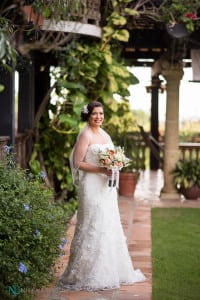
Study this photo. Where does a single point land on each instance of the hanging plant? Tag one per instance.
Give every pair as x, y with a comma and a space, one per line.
180, 11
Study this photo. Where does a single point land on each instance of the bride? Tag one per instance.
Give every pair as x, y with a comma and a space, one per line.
99, 257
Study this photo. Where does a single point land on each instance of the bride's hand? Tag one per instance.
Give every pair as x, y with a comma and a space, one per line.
109, 172
106, 171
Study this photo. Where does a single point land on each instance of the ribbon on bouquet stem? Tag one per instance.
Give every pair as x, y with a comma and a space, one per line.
114, 178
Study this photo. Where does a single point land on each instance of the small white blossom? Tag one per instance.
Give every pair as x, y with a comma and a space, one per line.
85, 109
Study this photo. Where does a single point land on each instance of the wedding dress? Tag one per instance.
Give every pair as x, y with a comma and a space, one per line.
99, 257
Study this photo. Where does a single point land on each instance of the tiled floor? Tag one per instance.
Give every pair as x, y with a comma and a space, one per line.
136, 220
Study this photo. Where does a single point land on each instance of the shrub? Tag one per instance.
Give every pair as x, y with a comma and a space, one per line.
186, 173
31, 229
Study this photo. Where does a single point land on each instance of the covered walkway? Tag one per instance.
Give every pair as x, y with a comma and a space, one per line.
136, 220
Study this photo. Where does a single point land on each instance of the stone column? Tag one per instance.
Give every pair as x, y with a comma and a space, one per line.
26, 101
7, 105
154, 162
173, 74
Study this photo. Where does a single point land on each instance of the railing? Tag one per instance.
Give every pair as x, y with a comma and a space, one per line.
187, 150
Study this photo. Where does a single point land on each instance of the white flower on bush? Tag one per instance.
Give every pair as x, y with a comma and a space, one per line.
43, 175
7, 149
64, 242
36, 233
26, 207
22, 268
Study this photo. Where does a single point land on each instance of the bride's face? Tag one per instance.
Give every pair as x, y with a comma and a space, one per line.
97, 116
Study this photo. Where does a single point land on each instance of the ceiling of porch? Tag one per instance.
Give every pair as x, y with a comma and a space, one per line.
148, 43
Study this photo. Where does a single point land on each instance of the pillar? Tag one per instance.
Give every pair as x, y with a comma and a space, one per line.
42, 75
154, 162
173, 74
7, 105
26, 109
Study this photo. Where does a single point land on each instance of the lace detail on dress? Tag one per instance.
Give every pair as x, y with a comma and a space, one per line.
99, 257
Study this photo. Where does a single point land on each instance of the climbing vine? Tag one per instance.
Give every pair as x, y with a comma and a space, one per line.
88, 70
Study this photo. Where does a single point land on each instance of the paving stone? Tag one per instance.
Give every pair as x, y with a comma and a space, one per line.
136, 220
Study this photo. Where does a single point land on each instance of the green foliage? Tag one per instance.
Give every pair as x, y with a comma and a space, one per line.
8, 54
186, 173
113, 29
175, 253
122, 126
88, 70
56, 146
7, 51
121, 121
31, 231
188, 135
86, 73
69, 10
1, 88
134, 150
70, 207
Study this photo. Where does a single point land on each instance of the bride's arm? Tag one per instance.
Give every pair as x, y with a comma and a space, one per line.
79, 155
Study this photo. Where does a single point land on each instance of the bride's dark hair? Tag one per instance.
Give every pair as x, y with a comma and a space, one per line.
88, 109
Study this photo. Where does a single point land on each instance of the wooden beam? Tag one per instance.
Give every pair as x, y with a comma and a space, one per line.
70, 26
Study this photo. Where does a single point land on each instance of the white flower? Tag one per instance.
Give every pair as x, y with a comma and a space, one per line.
85, 109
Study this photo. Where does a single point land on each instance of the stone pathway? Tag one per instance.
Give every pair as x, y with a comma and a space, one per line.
136, 220
139, 244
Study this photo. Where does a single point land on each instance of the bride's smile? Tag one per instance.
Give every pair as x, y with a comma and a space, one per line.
97, 117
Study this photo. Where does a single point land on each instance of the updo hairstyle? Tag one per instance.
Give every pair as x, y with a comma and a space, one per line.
88, 109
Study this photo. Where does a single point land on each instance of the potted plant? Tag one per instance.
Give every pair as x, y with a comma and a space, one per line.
123, 129
129, 175
186, 176
127, 182
32, 15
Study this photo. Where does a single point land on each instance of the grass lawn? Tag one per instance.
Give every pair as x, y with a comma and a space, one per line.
176, 253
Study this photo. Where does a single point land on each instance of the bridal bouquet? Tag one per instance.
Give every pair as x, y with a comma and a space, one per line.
114, 159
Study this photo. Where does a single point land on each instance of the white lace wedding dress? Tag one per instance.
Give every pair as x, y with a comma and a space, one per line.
99, 257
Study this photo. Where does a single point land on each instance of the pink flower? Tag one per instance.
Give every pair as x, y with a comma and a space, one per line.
111, 153
113, 158
107, 161
191, 16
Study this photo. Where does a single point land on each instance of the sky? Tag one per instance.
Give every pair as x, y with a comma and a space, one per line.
189, 107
